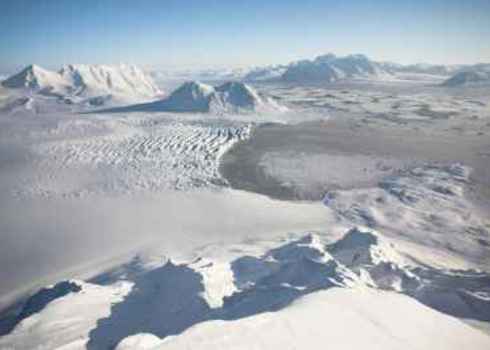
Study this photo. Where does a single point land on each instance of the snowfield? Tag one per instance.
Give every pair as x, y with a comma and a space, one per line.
356, 207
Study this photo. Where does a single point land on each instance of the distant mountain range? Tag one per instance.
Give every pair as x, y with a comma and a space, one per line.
96, 85
330, 68
469, 77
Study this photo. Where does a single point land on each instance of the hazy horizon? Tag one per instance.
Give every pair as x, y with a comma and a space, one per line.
216, 33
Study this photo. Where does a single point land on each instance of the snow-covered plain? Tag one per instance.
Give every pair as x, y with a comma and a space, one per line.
155, 249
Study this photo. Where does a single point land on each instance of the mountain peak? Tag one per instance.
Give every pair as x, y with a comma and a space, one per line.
331, 68
196, 97
363, 247
34, 77
85, 81
194, 87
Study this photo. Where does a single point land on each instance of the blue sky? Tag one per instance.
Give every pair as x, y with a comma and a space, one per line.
189, 33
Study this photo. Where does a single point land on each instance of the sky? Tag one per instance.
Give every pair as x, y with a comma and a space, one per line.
206, 33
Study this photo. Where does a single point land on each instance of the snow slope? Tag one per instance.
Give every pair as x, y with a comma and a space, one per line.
64, 322
291, 292
337, 318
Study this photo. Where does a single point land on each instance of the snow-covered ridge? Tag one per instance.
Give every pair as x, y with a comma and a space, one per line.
230, 97
119, 80
84, 81
168, 299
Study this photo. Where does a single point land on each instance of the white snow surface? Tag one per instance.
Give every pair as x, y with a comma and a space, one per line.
79, 83
341, 318
285, 293
138, 153
125, 80
64, 322
400, 261
423, 205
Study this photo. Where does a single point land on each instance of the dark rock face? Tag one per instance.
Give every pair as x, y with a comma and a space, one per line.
42, 298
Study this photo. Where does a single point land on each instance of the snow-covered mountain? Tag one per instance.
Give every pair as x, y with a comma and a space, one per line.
189, 97
330, 68
472, 77
238, 97
97, 83
230, 97
37, 79
125, 80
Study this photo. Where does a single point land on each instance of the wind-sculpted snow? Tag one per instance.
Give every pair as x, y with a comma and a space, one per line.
425, 205
161, 299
